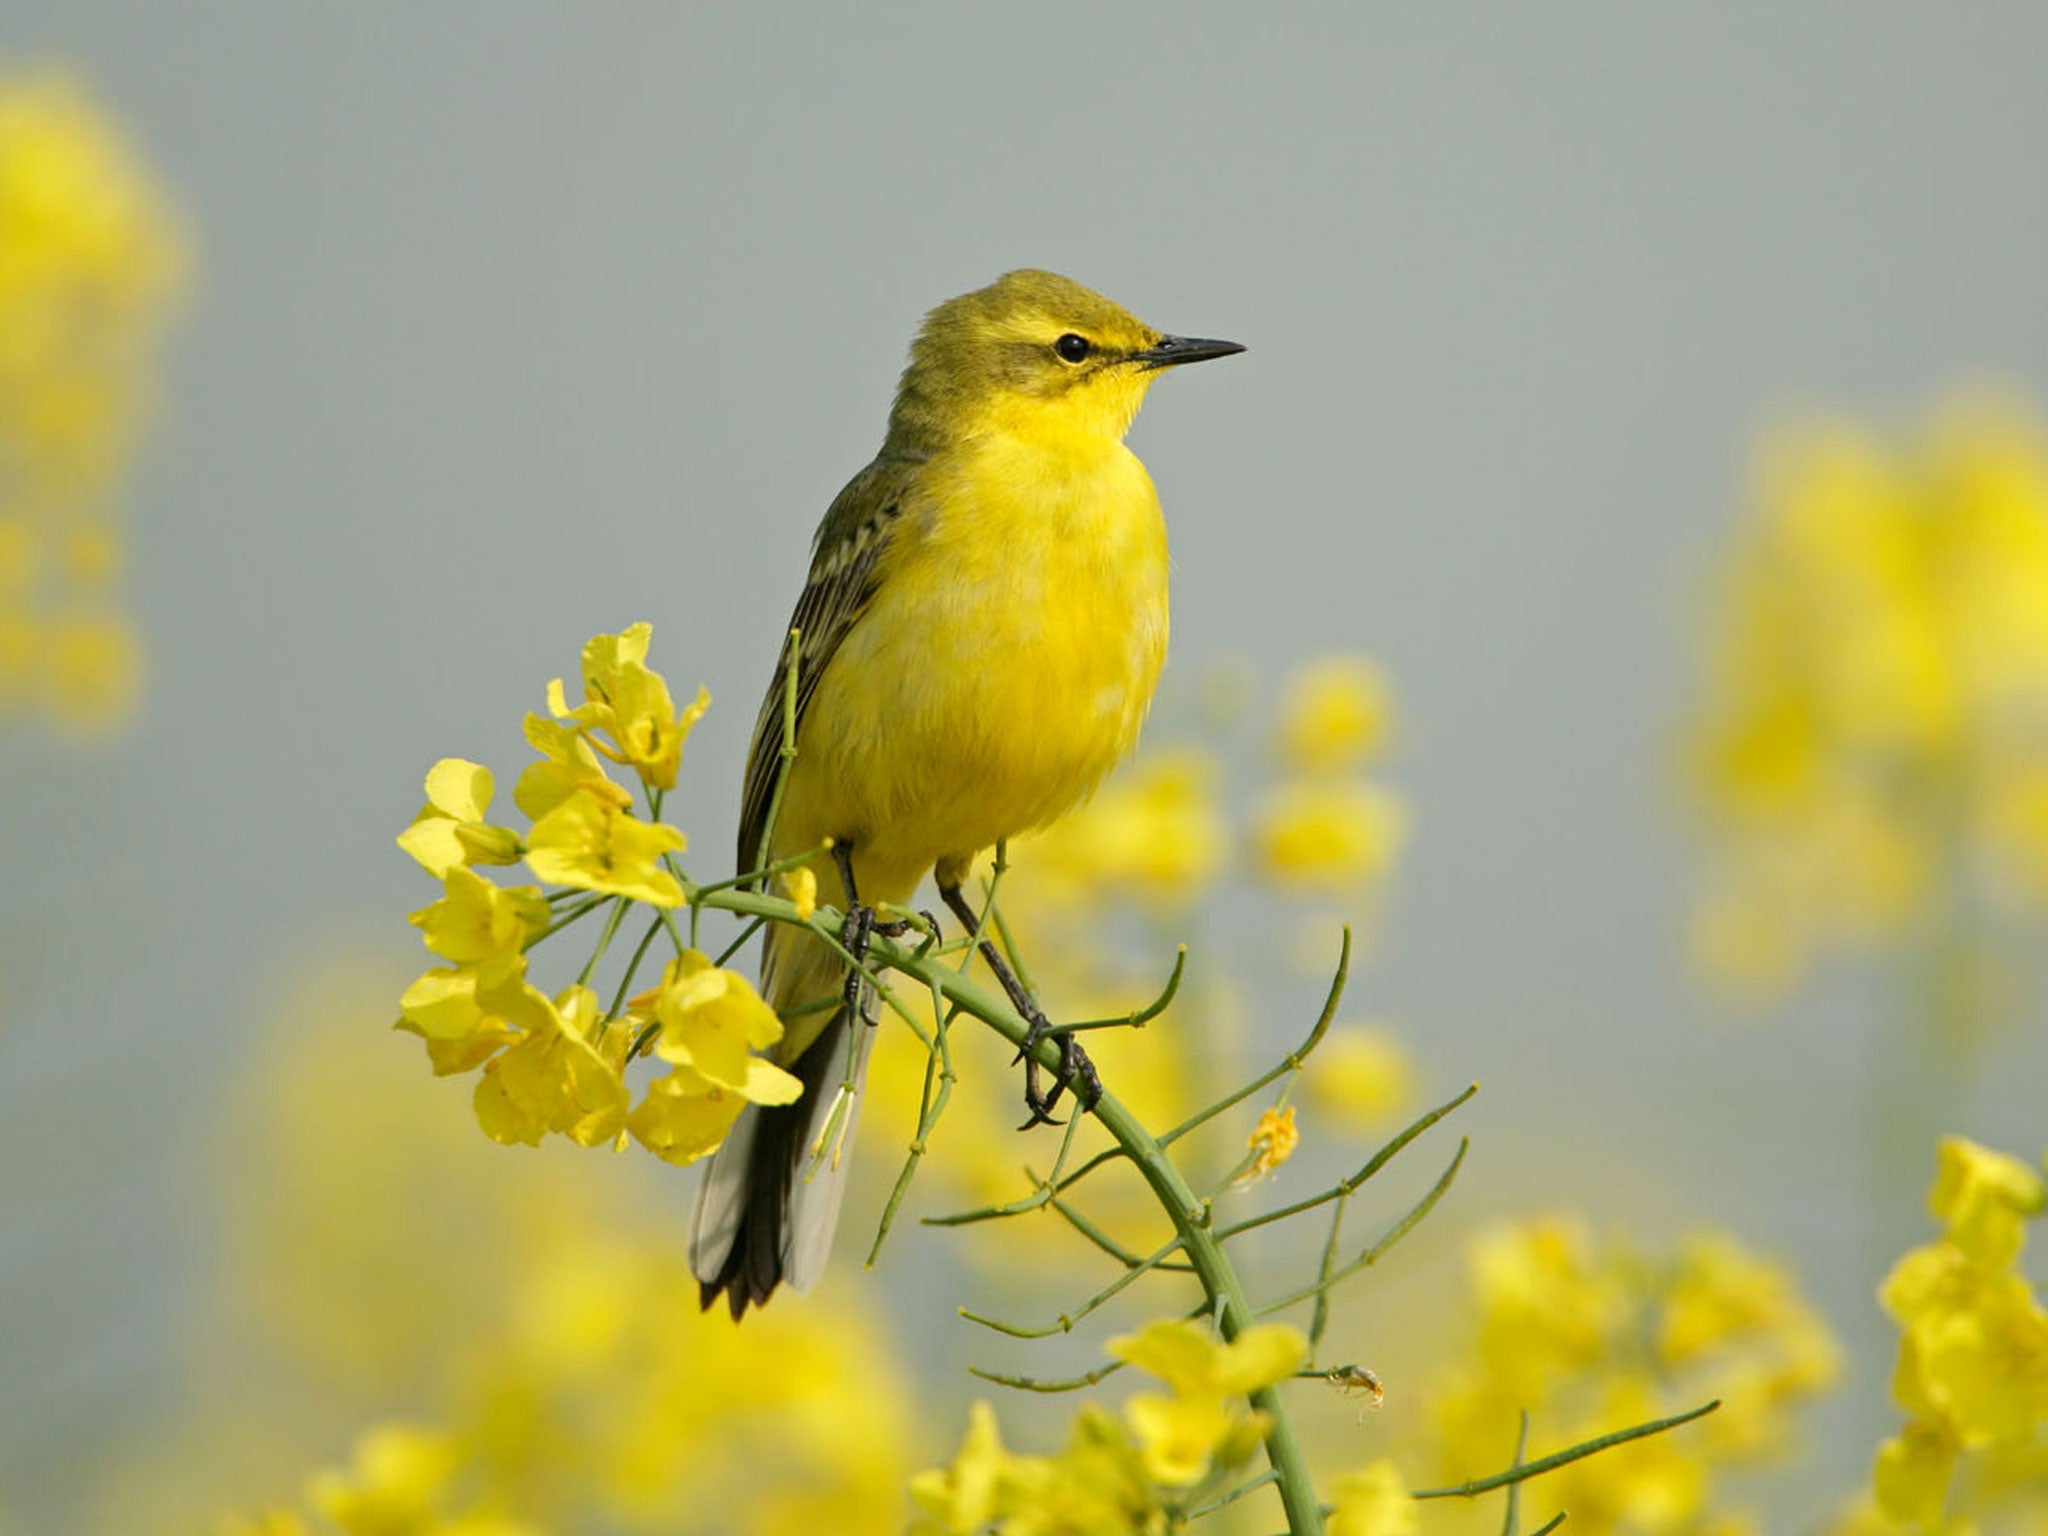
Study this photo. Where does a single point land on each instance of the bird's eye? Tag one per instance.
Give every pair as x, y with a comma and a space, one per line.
1071, 348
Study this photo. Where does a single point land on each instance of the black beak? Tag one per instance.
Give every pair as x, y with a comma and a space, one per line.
1172, 351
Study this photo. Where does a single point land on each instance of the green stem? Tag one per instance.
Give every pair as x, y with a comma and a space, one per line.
1522, 1471
1189, 1214
604, 940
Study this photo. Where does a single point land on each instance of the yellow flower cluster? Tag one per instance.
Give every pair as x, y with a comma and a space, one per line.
1875, 692
1119, 1477
1159, 833
611, 1402
558, 1064
1589, 1337
403, 1480
1325, 828
90, 264
1973, 1352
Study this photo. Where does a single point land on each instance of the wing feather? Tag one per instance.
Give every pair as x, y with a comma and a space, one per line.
851, 538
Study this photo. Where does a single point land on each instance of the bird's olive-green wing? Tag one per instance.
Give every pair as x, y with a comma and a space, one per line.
856, 529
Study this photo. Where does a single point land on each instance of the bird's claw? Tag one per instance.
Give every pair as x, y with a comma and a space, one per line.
1076, 1071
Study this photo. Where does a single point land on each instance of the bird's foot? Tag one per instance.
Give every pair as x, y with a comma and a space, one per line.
855, 930
1076, 1072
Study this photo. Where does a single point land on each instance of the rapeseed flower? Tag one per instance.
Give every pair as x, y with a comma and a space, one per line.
589, 841
630, 703
450, 830
1327, 836
1373, 1501
1203, 1421
562, 1073
711, 1021
90, 268
1271, 1143
1869, 750
1335, 715
1360, 1077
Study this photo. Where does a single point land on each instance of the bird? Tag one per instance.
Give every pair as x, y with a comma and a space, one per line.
975, 648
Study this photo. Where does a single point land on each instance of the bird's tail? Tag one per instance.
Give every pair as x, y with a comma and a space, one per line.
769, 1203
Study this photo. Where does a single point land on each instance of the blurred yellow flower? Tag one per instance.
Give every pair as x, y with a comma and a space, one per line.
589, 842
1869, 744
1972, 1370
1335, 715
1361, 1076
960, 1499
1154, 832
1332, 837
91, 665
1985, 1197
630, 703
90, 265
1373, 1501
1203, 1421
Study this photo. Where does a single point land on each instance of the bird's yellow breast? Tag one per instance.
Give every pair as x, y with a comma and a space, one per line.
1004, 664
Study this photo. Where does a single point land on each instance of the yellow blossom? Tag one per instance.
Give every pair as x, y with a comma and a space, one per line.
567, 766
91, 669
1182, 1437
1868, 750
1361, 1076
1332, 837
1546, 1302
1335, 715
1984, 1196
478, 923
1193, 1361
1203, 1423
589, 842
960, 1499
396, 1486
1372, 1502
711, 1018
630, 702
554, 1077
1155, 831
1271, 1143
802, 884
1911, 1475
450, 830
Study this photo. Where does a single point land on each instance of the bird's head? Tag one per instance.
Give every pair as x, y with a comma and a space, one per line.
1034, 353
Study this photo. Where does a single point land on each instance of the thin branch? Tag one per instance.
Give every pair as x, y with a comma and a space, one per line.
1514, 1510
1230, 1498
1349, 1186
1064, 1323
1138, 1018
1379, 1250
1294, 1061
1550, 1463
1036, 1384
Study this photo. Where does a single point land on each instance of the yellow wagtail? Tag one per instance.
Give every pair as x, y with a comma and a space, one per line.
981, 632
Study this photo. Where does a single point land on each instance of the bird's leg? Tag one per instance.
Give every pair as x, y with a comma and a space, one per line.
855, 931
1076, 1070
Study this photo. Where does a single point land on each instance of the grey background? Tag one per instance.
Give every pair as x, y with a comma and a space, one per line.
514, 327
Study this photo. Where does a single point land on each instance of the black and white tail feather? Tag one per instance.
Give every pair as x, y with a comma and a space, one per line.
769, 1203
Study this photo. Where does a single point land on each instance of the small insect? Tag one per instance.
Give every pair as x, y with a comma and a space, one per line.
1356, 1378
